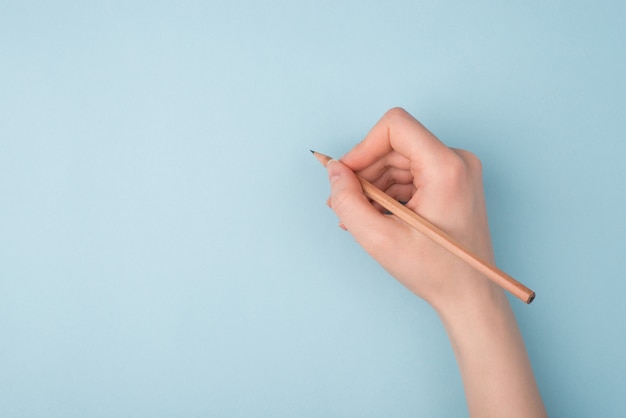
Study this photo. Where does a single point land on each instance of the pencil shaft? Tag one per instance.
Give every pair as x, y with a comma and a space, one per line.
440, 237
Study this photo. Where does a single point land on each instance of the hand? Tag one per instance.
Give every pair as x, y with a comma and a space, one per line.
444, 185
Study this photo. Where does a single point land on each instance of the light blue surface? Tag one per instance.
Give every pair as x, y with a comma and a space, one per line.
165, 250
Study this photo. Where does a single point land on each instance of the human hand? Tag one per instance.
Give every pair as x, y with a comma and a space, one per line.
444, 185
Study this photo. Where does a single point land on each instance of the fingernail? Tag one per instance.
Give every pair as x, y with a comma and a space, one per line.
334, 169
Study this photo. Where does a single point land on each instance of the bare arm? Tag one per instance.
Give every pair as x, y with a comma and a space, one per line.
401, 157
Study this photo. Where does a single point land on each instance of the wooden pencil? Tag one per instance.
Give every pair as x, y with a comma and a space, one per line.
440, 237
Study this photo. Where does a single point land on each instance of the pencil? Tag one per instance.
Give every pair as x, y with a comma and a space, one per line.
418, 222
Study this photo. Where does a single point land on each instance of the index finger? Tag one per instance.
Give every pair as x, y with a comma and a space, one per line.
396, 131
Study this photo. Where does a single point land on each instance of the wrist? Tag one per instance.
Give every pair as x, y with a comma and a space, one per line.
472, 301
490, 352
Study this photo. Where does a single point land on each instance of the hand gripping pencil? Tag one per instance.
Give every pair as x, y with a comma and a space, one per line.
440, 237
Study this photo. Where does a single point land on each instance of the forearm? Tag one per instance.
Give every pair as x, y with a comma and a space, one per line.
494, 365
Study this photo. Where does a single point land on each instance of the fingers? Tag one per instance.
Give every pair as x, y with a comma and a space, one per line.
368, 226
390, 177
397, 132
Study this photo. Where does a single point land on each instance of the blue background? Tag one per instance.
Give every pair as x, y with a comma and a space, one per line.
165, 248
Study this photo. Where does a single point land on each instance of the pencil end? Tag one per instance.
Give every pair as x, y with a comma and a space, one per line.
321, 157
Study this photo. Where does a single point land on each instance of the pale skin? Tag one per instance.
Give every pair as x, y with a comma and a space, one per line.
444, 185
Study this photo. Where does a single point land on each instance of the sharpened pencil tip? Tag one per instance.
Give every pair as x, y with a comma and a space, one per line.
321, 157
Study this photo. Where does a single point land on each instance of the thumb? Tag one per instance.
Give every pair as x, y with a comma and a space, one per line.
367, 225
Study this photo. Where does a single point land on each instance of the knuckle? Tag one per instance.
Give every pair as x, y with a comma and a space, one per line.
340, 199
452, 178
453, 170
459, 167
471, 160
396, 113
